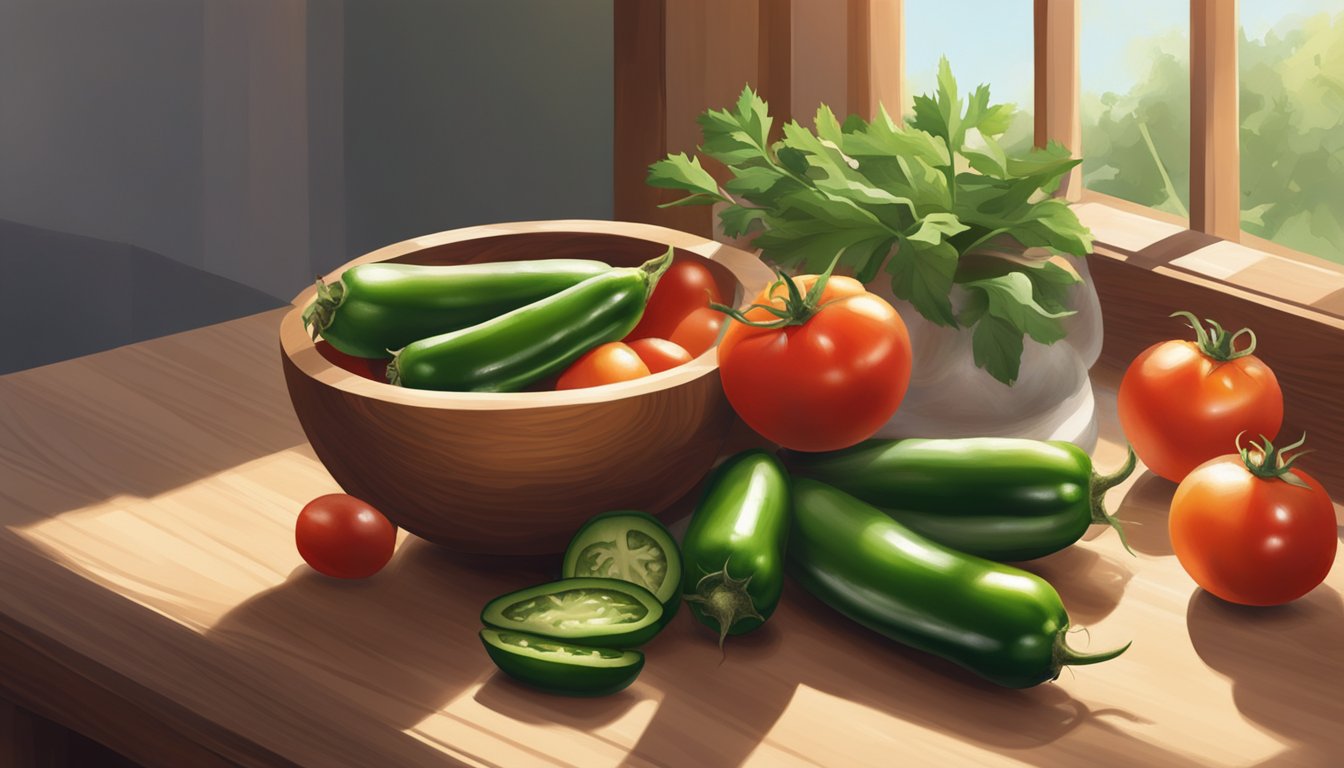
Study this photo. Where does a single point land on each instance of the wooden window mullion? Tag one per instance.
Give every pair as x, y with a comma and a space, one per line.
1215, 159
1056, 78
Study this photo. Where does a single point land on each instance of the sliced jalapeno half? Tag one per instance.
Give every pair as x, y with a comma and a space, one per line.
559, 667
630, 546
608, 613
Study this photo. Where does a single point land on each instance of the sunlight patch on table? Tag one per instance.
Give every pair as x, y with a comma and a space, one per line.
196, 551
514, 725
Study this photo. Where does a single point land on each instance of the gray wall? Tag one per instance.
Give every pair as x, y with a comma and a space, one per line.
170, 163
475, 111
265, 140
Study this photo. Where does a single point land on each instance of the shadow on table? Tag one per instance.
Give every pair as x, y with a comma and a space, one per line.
389, 644
1143, 513
732, 707
1286, 668
1089, 583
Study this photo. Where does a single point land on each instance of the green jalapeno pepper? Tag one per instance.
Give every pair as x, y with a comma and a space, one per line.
999, 498
631, 546
607, 613
1000, 622
733, 551
564, 668
513, 350
375, 309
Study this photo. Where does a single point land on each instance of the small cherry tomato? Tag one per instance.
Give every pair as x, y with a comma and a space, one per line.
660, 354
343, 537
1184, 402
687, 285
605, 364
1252, 529
698, 331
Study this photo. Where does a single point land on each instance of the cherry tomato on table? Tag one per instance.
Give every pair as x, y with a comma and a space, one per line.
604, 364
1252, 529
660, 354
1184, 402
687, 285
827, 377
344, 537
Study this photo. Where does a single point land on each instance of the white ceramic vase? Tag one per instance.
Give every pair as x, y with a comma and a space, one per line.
1051, 400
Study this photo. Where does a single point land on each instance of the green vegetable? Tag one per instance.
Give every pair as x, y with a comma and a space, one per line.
573, 670
998, 498
733, 551
609, 613
1002, 623
375, 309
513, 350
936, 209
631, 546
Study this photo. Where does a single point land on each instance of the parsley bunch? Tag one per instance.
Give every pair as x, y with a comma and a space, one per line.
919, 200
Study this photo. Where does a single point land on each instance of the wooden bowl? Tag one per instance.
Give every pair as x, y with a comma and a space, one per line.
518, 473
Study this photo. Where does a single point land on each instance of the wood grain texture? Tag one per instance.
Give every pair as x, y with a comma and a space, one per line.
1300, 344
1215, 124
442, 464
876, 63
639, 138
774, 61
1056, 56
149, 497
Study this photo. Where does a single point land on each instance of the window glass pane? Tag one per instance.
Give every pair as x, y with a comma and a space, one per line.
1292, 123
985, 41
1134, 65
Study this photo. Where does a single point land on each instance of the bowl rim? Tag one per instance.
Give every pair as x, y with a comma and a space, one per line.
301, 350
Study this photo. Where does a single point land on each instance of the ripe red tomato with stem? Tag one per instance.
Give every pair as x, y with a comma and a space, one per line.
686, 286
818, 371
344, 537
1253, 529
1184, 402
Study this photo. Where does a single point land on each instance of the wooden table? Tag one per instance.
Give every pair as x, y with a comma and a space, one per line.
152, 598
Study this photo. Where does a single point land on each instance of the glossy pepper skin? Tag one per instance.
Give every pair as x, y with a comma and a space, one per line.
733, 551
376, 309
999, 498
513, 350
999, 622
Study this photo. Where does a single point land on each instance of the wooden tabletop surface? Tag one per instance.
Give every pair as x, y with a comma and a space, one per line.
151, 596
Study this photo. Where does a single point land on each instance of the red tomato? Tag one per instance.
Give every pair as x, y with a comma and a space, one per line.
369, 368
605, 364
687, 285
698, 331
826, 384
343, 537
1252, 540
1180, 405
660, 354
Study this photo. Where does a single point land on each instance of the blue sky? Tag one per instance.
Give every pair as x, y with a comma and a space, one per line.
991, 40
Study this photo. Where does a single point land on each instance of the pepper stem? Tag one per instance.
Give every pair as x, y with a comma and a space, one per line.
725, 600
1064, 656
1101, 484
654, 269
1215, 342
320, 314
1273, 463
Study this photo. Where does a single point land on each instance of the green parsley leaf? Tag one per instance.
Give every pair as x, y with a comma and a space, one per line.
685, 173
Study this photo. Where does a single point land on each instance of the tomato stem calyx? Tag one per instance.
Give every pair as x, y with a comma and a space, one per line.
725, 600
1216, 342
319, 315
1101, 484
797, 309
1268, 462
